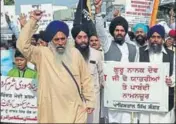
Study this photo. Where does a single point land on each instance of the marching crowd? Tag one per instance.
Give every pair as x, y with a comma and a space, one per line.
70, 73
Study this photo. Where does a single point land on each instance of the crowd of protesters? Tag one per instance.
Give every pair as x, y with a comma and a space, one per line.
70, 75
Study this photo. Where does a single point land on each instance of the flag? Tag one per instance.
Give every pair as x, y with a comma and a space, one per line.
83, 16
154, 13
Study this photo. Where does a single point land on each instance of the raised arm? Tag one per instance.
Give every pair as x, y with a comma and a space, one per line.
105, 40
32, 53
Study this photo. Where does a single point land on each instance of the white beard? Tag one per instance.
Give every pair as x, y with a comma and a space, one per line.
62, 55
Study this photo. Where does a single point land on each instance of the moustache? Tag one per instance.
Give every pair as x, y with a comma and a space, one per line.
60, 47
119, 39
94, 44
156, 47
119, 35
83, 45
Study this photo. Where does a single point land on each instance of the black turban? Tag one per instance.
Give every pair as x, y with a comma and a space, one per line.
118, 21
18, 54
78, 28
43, 36
36, 37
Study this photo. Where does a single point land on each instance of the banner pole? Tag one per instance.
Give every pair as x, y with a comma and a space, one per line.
154, 13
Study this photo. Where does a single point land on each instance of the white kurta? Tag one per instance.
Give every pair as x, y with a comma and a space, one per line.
117, 115
168, 117
105, 40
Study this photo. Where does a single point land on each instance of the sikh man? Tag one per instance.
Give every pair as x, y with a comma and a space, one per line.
93, 58
117, 49
65, 92
155, 52
140, 30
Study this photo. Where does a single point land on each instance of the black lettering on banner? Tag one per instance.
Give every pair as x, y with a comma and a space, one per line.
141, 106
154, 107
29, 112
21, 111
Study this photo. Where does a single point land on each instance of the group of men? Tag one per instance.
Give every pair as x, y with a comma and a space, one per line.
71, 77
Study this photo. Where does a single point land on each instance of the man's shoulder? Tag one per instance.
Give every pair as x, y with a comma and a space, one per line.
74, 52
73, 49
31, 70
143, 48
95, 53
94, 50
12, 70
169, 51
131, 44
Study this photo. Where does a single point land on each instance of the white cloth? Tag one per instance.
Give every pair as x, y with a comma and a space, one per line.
31, 66
125, 52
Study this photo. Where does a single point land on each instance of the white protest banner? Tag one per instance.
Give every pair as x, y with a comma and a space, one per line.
3, 20
18, 100
47, 16
70, 25
136, 86
138, 11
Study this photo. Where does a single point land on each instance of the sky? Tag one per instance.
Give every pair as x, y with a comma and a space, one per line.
56, 2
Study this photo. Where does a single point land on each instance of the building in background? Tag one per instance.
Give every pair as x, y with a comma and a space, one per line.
164, 8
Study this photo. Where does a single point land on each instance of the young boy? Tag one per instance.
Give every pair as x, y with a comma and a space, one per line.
21, 69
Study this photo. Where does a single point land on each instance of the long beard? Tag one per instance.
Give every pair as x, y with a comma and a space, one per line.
85, 51
62, 54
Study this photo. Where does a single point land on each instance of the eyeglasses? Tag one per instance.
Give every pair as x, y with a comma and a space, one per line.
58, 39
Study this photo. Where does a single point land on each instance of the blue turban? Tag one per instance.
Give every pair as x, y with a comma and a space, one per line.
158, 29
140, 26
54, 27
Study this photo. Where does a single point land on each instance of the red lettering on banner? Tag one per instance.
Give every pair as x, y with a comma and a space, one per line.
141, 10
140, 87
118, 70
148, 78
136, 70
150, 69
136, 96
139, 2
115, 78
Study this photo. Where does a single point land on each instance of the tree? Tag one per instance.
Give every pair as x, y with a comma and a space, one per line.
9, 2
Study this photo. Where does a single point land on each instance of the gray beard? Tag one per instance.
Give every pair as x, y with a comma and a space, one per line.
61, 55
155, 48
